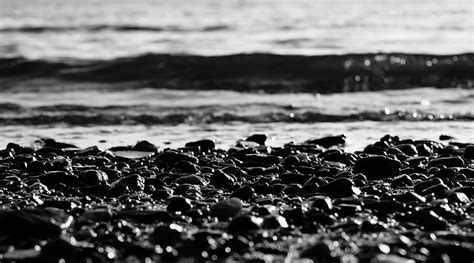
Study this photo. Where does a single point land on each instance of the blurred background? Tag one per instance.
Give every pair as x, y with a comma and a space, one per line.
114, 72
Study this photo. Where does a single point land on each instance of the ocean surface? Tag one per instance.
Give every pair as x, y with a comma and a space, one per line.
114, 72
95, 29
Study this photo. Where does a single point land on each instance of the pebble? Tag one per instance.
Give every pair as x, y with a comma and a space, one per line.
204, 145
94, 177
258, 138
179, 204
227, 208
244, 224
377, 167
398, 200
341, 187
453, 161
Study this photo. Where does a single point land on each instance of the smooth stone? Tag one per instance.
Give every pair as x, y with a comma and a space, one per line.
186, 167
372, 149
65, 205
377, 167
55, 177
227, 208
341, 187
244, 224
273, 221
179, 204
430, 221
94, 177
134, 182
260, 158
51, 143
402, 180
458, 197
145, 146
321, 252
167, 235
172, 157
20, 225
322, 203
58, 250
408, 149
439, 190
190, 179
96, 215
245, 192
326, 142
469, 152
144, 216
447, 161
222, 179
258, 138
204, 145
291, 160
132, 154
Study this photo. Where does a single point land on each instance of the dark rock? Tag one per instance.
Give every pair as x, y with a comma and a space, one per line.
321, 252
291, 161
258, 138
144, 216
372, 149
274, 222
55, 177
145, 146
172, 157
19, 225
260, 158
94, 177
204, 145
188, 190
245, 192
322, 203
58, 249
244, 224
167, 235
190, 179
179, 204
439, 190
65, 205
186, 167
134, 182
377, 167
326, 142
408, 149
430, 221
221, 179
227, 208
469, 152
457, 197
402, 180
96, 215
447, 161
341, 187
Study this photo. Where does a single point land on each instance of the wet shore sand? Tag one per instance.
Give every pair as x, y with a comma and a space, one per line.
397, 200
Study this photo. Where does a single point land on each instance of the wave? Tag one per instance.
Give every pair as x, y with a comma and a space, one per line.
82, 115
117, 28
255, 72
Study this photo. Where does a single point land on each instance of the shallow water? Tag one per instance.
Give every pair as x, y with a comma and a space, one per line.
106, 29
90, 117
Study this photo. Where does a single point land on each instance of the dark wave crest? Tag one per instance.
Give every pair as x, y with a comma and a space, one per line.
117, 28
255, 72
82, 115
